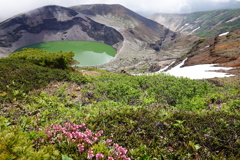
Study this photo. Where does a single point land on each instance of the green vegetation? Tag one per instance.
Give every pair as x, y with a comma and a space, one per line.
39, 57
112, 116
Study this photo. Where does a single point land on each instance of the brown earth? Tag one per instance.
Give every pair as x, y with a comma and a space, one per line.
224, 51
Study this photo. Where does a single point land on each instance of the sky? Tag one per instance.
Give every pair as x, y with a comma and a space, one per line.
9, 8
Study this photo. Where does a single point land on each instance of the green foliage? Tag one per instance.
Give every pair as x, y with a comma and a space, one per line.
22, 76
182, 135
60, 60
139, 90
154, 117
14, 145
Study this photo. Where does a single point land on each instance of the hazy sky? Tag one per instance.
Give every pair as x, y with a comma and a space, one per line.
10, 8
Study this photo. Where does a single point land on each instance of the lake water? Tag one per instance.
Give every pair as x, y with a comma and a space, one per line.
86, 52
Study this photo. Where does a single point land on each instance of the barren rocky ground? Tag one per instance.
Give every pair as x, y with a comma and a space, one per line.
220, 50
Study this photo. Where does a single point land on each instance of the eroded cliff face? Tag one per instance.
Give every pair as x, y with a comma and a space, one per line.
53, 23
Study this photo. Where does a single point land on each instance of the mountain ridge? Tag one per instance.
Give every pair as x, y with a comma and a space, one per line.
142, 45
53, 23
201, 24
135, 37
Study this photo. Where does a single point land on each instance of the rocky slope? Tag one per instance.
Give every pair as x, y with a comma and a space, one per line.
145, 41
53, 23
201, 24
138, 40
223, 51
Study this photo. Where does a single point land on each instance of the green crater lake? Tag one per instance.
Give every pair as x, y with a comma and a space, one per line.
86, 52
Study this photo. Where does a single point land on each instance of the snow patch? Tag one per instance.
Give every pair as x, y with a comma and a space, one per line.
223, 34
233, 19
202, 71
196, 29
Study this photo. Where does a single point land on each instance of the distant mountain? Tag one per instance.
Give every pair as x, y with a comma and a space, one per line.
199, 6
201, 24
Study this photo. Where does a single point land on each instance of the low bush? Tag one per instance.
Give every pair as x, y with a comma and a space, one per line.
15, 145
148, 117
138, 90
24, 75
60, 60
179, 136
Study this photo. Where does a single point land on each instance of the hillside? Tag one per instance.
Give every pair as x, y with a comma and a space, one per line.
201, 24
53, 23
223, 51
143, 38
142, 45
49, 110
135, 38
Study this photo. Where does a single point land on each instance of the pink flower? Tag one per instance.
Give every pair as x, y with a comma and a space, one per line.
82, 125
48, 133
109, 141
81, 147
116, 145
88, 141
121, 150
98, 134
67, 125
171, 149
90, 154
69, 135
99, 156
110, 158
95, 138
89, 133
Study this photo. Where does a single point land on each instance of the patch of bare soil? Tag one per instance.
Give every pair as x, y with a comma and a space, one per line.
90, 73
72, 90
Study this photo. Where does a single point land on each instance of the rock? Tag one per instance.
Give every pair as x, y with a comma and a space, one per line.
155, 67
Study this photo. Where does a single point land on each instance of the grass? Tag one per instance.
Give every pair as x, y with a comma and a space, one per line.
146, 117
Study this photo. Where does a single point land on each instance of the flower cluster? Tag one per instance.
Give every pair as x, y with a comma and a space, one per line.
84, 140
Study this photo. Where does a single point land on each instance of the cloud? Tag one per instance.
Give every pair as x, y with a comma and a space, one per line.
10, 8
